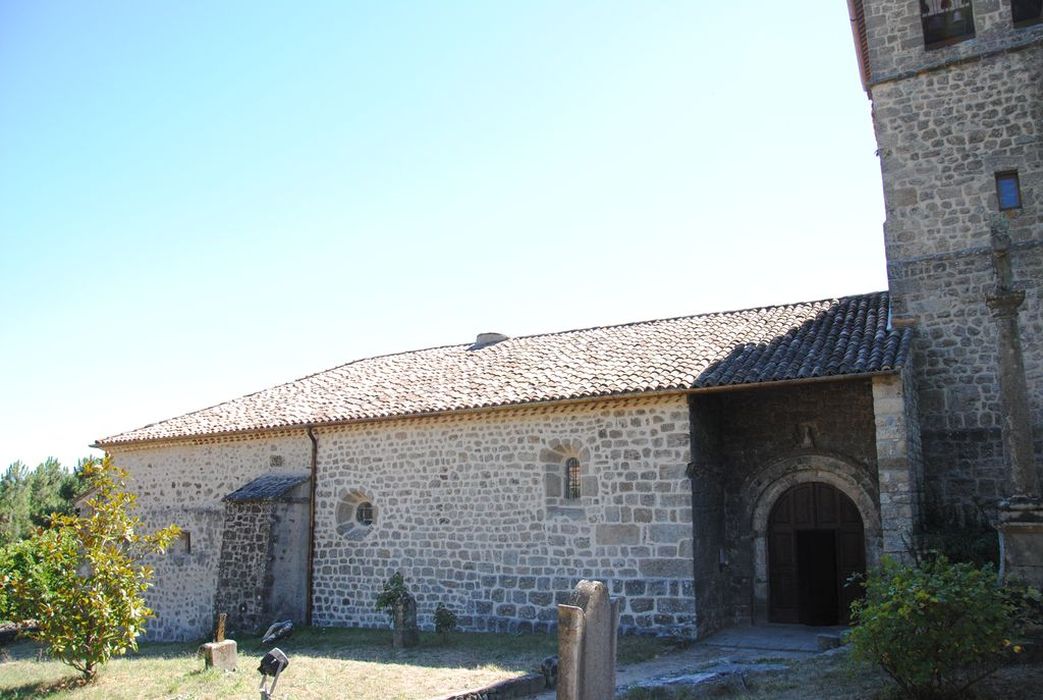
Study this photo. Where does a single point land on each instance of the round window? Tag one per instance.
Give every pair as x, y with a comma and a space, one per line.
364, 513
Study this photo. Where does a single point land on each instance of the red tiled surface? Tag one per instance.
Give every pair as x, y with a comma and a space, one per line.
834, 337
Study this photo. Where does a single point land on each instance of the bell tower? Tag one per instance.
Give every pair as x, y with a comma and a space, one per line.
957, 95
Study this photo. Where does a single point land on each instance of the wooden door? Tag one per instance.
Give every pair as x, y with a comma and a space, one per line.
815, 543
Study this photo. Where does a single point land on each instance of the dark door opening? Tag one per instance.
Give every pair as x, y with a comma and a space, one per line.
817, 577
815, 543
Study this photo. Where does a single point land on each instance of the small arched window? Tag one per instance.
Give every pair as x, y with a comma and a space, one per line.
572, 478
364, 513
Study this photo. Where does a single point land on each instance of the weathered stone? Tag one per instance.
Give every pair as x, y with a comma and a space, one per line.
1021, 541
405, 632
618, 534
587, 630
222, 655
665, 568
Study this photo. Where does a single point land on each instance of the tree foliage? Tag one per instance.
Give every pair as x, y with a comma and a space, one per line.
395, 591
28, 497
22, 560
87, 595
445, 620
936, 627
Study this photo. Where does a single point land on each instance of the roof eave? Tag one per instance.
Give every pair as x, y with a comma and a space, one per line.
303, 426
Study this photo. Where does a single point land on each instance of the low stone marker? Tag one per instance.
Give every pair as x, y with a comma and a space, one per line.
405, 632
587, 628
221, 653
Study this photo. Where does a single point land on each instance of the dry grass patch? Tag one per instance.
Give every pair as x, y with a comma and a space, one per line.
329, 663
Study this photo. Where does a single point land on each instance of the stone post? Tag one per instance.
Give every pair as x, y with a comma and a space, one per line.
221, 653
1020, 515
587, 628
404, 629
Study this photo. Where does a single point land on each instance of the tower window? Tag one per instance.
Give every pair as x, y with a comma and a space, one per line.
1008, 190
1026, 12
364, 513
572, 478
946, 21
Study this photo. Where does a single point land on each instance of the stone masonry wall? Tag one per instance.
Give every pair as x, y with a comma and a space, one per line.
896, 45
244, 569
760, 427
183, 483
899, 462
947, 120
471, 510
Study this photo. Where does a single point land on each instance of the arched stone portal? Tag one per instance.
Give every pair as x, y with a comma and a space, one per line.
815, 544
770, 484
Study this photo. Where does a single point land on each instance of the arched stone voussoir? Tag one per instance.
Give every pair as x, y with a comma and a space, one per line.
763, 489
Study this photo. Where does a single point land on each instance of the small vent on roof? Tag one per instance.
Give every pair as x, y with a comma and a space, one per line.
484, 339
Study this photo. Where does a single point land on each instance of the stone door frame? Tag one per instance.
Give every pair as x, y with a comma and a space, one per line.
776, 478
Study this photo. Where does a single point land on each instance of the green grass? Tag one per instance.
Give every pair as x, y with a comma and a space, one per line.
323, 663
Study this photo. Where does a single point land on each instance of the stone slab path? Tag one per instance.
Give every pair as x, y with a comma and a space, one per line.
736, 649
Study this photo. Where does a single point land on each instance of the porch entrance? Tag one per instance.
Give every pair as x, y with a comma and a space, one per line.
815, 543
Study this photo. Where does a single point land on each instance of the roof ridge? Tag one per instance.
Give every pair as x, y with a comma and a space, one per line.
626, 324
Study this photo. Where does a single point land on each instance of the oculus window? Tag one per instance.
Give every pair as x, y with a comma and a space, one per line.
355, 514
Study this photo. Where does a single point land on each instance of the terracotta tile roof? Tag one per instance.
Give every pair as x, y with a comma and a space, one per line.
834, 337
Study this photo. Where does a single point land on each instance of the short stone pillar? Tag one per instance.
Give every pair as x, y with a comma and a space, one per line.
405, 632
587, 628
221, 653
1021, 515
1021, 541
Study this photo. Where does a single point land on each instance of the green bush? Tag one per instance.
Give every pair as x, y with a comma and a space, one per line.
86, 592
394, 591
23, 561
936, 628
445, 620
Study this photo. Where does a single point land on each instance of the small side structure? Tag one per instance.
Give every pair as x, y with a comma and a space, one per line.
262, 572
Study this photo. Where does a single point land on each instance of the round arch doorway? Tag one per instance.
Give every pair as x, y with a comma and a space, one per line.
816, 541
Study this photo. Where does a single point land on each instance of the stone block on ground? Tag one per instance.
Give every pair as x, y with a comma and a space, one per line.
223, 655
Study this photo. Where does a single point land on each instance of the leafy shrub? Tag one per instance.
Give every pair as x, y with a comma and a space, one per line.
87, 594
23, 561
960, 534
445, 620
394, 591
936, 628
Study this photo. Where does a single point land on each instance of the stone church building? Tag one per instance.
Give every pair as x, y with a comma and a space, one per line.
712, 469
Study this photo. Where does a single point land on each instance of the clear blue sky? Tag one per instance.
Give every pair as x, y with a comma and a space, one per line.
202, 199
